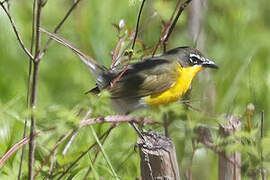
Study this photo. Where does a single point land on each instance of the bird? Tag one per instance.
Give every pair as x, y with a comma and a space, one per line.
150, 83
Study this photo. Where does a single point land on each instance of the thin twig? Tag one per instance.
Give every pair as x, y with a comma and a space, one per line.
166, 27
181, 9
58, 27
14, 148
137, 25
52, 152
31, 161
51, 167
85, 152
16, 32
115, 52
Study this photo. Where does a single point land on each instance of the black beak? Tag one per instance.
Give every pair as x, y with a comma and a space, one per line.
209, 64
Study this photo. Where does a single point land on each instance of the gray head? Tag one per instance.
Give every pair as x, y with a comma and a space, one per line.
189, 56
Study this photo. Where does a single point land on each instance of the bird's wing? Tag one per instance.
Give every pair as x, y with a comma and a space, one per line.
145, 78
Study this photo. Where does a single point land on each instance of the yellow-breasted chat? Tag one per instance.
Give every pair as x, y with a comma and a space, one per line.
152, 82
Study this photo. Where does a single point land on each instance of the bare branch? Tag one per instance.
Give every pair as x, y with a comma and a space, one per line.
117, 119
16, 32
14, 148
59, 26
181, 9
31, 156
165, 29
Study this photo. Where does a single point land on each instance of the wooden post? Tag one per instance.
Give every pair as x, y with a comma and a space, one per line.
158, 158
227, 170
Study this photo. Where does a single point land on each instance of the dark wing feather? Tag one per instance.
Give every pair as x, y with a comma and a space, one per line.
145, 78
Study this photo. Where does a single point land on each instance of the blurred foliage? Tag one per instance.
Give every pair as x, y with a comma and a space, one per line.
237, 37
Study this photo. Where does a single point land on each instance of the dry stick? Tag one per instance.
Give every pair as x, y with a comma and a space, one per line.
58, 27
165, 29
62, 139
181, 9
29, 82
31, 161
85, 152
16, 31
14, 148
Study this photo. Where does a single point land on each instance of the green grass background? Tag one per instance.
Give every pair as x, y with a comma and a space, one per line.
237, 38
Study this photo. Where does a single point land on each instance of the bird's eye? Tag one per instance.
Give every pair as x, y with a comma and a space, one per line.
194, 60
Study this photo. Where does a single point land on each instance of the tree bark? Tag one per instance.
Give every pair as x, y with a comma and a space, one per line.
158, 158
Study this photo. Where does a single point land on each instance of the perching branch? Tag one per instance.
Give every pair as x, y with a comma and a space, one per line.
16, 32
117, 119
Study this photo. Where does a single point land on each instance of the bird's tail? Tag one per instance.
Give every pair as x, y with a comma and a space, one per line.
99, 72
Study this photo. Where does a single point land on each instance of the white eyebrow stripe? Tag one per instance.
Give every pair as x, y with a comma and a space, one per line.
197, 56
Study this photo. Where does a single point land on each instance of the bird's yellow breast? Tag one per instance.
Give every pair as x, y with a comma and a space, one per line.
185, 77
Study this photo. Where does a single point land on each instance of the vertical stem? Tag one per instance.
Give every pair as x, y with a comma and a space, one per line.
137, 26
263, 171
31, 161
29, 83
